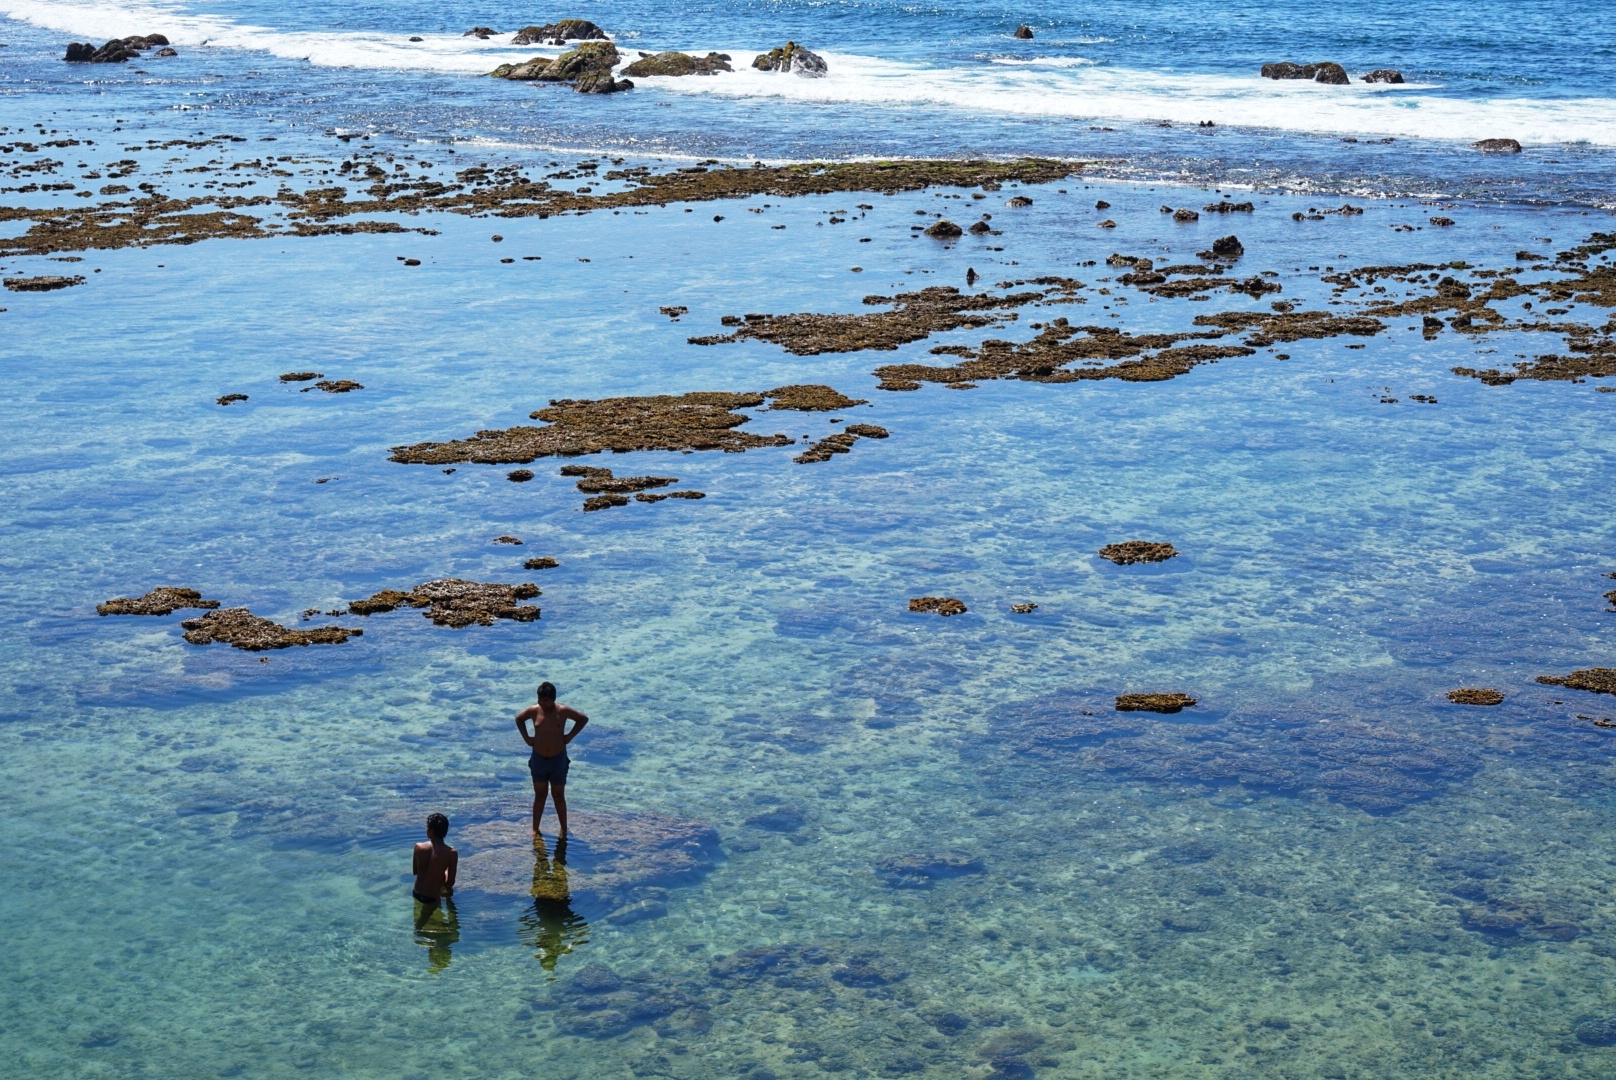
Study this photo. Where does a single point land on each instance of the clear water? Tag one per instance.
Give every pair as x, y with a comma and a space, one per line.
210, 868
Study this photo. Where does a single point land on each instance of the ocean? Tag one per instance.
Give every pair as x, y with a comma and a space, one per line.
290, 314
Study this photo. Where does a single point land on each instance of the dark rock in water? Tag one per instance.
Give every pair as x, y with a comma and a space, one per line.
978, 228
1024, 32
337, 386
674, 311
456, 603
116, 51
1186, 922
1018, 201
1516, 918
595, 979
79, 53
484, 32
43, 283
673, 64
1334, 74
597, 481
604, 502
867, 431
827, 448
1228, 247
1473, 696
792, 966
860, 974
1226, 207
1156, 703
1599, 680
1185, 214
1498, 146
1024, 609
922, 871
244, 630
781, 820
519, 476
592, 59
792, 58
1384, 75
228, 398
543, 562
163, 600
165, 52
941, 605
1441, 222
301, 376
945, 230
513, 540
1596, 1030
565, 30
1137, 551
601, 84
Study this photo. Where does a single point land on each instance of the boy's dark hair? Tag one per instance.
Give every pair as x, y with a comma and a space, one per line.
547, 691
437, 826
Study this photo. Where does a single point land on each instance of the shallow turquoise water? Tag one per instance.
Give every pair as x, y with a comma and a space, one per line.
214, 881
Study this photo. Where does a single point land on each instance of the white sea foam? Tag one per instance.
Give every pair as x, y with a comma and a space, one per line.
1058, 87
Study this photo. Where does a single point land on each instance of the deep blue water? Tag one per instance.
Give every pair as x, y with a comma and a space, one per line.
902, 845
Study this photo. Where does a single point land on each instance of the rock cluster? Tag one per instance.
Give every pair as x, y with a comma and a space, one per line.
588, 68
1469, 695
163, 600
1137, 551
43, 283
674, 64
839, 443
1384, 75
1333, 74
116, 51
1599, 680
811, 397
941, 605
242, 629
457, 603
793, 58
1156, 703
555, 33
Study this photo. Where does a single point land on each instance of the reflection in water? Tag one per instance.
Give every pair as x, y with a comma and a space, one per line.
552, 928
437, 926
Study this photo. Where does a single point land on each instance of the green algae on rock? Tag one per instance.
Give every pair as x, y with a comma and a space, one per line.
241, 629
941, 605
675, 64
1156, 703
163, 600
1137, 551
456, 603
1599, 680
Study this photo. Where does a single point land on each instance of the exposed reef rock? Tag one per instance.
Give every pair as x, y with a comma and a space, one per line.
163, 600
792, 58
1227, 207
698, 421
1517, 918
588, 68
43, 283
553, 33
924, 871
1469, 695
543, 562
826, 448
941, 605
597, 481
674, 64
337, 386
519, 476
301, 376
227, 399
1156, 703
1384, 75
811, 397
1498, 146
242, 629
456, 603
1599, 680
1333, 74
1379, 769
945, 230
604, 502
155, 218
914, 316
873, 431
1137, 551
1269, 329
1024, 32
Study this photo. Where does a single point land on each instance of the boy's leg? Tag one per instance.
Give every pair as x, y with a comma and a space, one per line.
540, 789
559, 792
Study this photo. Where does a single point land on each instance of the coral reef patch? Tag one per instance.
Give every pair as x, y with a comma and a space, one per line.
241, 629
1156, 703
456, 603
163, 600
940, 605
1599, 680
1137, 551
1470, 695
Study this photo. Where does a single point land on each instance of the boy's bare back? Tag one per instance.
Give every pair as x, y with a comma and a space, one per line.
434, 863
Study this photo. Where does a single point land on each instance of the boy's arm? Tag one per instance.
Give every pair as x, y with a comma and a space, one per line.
578, 721
449, 874
521, 727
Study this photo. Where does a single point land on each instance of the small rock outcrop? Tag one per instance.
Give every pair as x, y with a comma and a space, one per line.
43, 283
483, 32
163, 600
588, 68
1156, 703
1384, 75
1470, 695
793, 58
1024, 32
1137, 551
457, 603
1185, 214
1498, 146
673, 64
558, 33
945, 230
1333, 74
242, 629
1599, 680
941, 605
1228, 247
116, 51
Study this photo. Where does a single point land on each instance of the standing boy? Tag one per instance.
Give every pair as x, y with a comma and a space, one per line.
548, 763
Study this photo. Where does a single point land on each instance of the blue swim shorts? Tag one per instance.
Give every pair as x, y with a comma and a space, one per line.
549, 770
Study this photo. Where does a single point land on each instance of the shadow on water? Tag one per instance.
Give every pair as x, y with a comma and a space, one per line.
551, 927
